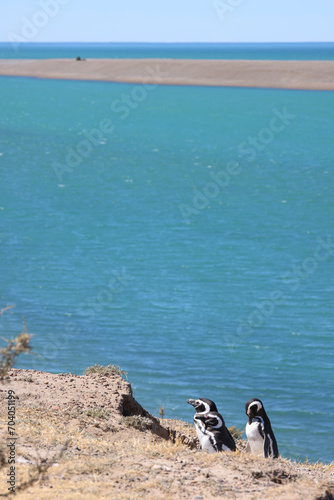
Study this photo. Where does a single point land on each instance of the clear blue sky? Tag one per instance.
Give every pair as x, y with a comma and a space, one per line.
168, 21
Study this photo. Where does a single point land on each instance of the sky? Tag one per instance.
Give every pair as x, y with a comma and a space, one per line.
167, 21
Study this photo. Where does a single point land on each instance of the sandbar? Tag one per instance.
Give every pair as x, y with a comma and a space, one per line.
303, 75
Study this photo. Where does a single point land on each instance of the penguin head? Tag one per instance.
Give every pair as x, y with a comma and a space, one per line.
202, 405
254, 407
213, 420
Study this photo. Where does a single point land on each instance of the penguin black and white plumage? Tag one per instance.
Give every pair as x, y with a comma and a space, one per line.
259, 433
211, 431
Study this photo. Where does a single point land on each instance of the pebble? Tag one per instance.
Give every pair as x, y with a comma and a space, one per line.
22, 460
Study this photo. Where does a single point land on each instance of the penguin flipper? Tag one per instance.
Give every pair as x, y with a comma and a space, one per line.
226, 441
270, 447
232, 445
260, 427
276, 453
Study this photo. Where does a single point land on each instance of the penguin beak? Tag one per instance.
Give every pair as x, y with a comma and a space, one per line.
191, 402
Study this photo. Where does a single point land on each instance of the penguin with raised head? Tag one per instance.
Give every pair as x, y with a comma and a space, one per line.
211, 431
260, 436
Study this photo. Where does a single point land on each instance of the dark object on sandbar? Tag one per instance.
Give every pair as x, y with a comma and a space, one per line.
80, 59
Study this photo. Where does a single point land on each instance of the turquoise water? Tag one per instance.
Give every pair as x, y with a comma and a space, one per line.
186, 236
291, 51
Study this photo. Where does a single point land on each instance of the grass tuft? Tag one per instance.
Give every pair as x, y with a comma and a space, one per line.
15, 347
236, 433
97, 413
138, 422
105, 371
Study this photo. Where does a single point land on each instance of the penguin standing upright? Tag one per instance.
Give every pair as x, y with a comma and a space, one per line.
259, 433
212, 433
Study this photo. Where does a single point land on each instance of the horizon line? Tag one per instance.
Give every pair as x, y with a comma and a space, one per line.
162, 42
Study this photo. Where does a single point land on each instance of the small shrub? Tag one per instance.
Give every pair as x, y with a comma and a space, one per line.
138, 422
162, 411
15, 347
97, 412
236, 433
105, 371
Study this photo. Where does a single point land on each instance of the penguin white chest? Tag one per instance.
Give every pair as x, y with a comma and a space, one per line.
204, 437
256, 441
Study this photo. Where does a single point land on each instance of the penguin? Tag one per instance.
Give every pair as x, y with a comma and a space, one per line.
260, 436
211, 431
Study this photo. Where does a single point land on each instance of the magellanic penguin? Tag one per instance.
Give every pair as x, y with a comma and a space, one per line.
259, 433
212, 433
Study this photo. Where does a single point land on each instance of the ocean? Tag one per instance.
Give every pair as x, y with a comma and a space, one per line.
183, 233
283, 51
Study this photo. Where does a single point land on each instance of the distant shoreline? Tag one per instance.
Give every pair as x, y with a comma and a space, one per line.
298, 75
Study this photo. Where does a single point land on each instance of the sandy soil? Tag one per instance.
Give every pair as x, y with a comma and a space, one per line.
313, 75
103, 444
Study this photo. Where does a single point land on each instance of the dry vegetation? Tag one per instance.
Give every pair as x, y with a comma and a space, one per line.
15, 347
85, 437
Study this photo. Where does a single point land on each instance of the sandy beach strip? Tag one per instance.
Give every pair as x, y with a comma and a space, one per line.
304, 75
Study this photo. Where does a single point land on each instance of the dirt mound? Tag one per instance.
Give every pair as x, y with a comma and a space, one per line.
92, 439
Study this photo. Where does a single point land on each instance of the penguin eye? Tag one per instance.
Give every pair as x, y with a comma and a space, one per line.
212, 421
254, 408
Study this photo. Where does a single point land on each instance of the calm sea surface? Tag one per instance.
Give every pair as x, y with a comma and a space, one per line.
298, 51
185, 234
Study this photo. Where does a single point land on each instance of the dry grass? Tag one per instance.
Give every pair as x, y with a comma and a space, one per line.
105, 371
150, 449
15, 347
86, 473
139, 465
178, 425
105, 458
